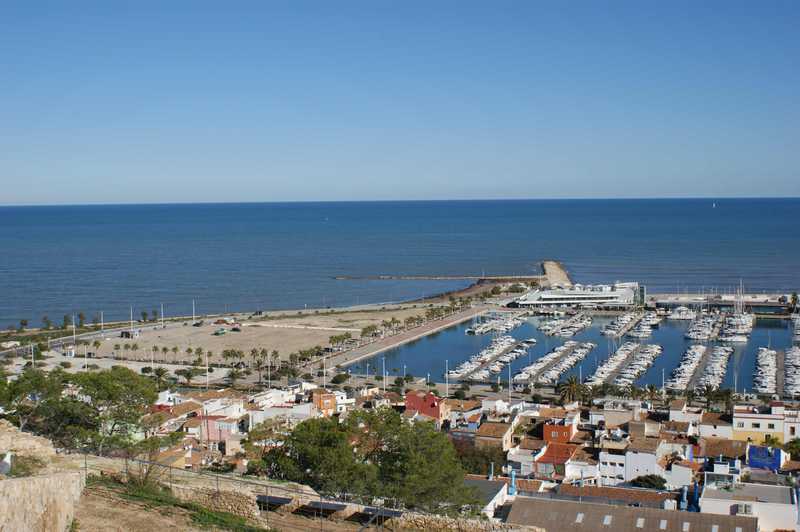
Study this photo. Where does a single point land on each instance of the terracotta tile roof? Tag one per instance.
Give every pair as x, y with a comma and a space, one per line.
712, 447
557, 453
716, 418
675, 426
677, 404
644, 445
584, 455
630, 496
533, 444
552, 412
791, 465
493, 430
459, 405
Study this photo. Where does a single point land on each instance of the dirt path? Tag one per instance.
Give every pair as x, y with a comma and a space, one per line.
103, 510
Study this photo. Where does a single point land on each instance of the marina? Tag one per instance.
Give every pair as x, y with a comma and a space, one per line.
451, 346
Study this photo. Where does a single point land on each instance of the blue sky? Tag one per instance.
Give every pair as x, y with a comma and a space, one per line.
283, 101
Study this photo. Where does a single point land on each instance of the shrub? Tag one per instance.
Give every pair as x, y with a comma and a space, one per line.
649, 481
65, 364
340, 378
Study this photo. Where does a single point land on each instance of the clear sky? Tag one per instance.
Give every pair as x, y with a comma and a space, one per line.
159, 101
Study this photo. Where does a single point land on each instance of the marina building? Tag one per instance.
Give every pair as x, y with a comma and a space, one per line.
618, 295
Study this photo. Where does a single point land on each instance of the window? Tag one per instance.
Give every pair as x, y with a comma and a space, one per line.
771, 426
740, 425
663, 524
756, 425
607, 520
791, 431
714, 528
579, 518
640, 522
554, 434
685, 526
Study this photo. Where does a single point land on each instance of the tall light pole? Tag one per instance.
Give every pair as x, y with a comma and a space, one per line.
446, 378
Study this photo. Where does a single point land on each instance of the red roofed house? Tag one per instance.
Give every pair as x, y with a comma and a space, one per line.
561, 430
552, 463
428, 404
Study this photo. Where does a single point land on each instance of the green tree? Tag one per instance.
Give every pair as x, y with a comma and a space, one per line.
234, 374
793, 448
81, 319
119, 398
46, 322
570, 390
187, 374
26, 396
160, 375
649, 481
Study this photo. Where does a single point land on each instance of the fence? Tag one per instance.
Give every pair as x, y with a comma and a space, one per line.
260, 499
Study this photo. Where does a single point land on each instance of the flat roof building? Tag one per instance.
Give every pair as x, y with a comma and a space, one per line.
617, 295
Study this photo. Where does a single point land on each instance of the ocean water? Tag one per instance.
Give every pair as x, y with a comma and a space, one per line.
68, 259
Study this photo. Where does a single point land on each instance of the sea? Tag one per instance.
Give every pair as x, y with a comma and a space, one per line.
59, 260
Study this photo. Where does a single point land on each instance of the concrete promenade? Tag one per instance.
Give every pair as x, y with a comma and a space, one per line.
384, 344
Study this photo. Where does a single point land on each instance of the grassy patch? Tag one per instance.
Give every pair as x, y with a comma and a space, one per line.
25, 466
155, 496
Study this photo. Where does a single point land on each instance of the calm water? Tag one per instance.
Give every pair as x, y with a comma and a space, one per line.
428, 355
58, 260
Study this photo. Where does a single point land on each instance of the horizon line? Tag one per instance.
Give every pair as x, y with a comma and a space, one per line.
434, 200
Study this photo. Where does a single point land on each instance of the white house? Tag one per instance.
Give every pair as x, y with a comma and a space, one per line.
774, 506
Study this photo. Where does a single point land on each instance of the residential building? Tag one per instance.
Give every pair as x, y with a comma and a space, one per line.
774, 506
566, 516
493, 434
755, 424
715, 425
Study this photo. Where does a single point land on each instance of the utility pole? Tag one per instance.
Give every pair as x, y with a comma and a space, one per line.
192, 311
162, 315
447, 378
102, 323
131, 331
383, 360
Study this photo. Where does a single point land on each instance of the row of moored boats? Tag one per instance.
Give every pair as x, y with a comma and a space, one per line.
791, 378
642, 360
497, 324
533, 370
566, 327
682, 375
716, 367
490, 361
612, 363
765, 379
551, 375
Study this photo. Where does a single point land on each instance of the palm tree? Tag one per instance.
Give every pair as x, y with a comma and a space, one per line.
164, 351
174, 352
653, 392
709, 395
690, 395
187, 374
135, 348
569, 390
259, 365
96, 344
155, 352
160, 374
234, 375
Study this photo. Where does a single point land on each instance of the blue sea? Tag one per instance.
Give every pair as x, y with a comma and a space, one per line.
68, 259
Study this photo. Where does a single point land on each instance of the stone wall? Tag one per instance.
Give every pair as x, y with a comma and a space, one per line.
238, 503
434, 523
43, 503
